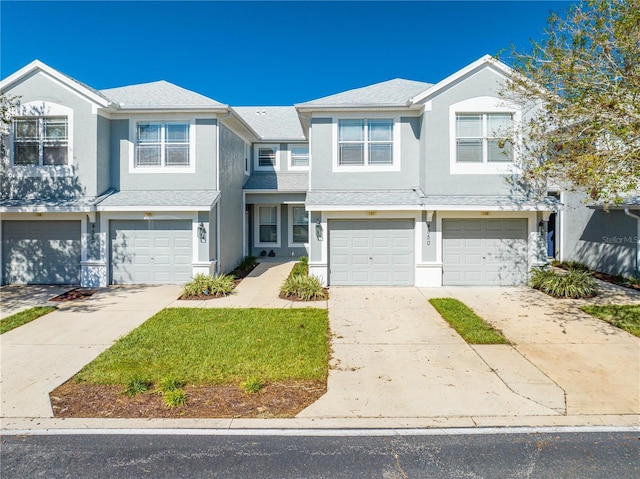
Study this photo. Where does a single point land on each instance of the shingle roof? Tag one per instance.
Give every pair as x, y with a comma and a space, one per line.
278, 182
83, 203
363, 198
395, 92
272, 122
503, 202
161, 198
158, 94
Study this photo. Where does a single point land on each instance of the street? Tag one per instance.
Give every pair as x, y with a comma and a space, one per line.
389, 456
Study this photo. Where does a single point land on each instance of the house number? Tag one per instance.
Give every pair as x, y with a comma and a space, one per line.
428, 239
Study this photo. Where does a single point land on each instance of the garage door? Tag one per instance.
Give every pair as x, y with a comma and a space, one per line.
371, 252
484, 251
41, 252
150, 252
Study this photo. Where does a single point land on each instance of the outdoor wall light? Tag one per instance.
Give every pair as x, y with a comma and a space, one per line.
318, 230
202, 233
541, 228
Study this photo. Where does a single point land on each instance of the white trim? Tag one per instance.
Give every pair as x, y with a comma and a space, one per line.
256, 227
501, 68
256, 166
64, 80
365, 208
396, 152
156, 208
247, 158
481, 105
290, 207
133, 122
290, 165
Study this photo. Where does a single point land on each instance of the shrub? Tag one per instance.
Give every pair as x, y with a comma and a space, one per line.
245, 266
169, 383
571, 265
573, 284
307, 288
301, 267
252, 385
137, 386
206, 285
175, 398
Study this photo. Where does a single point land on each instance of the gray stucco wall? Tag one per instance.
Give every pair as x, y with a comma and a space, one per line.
605, 241
324, 178
205, 161
232, 215
437, 179
82, 179
104, 155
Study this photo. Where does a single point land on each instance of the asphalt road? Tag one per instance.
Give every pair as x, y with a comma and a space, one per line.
558, 455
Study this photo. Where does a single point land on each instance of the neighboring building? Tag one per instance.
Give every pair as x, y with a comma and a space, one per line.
397, 183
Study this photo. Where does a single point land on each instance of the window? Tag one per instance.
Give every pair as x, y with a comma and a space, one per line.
299, 156
365, 142
247, 154
299, 225
162, 144
41, 141
268, 225
483, 137
267, 157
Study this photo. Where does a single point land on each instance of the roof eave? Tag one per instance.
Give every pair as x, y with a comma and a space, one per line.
181, 108
353, 107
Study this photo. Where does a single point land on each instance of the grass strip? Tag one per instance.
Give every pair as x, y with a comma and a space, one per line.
626, 317
218, 346
472, 328
23, 317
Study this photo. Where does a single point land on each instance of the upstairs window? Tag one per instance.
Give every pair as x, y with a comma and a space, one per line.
41, 141
365, 142
267, 157
162, 144
483, 137
299, 157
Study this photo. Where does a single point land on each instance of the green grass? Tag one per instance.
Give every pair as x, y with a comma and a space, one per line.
468, 324
623, 317
218, 346
23, 317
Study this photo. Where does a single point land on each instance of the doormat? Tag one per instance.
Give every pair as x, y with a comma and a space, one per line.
73, 294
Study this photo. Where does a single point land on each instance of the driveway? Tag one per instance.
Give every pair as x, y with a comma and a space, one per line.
39, 356
395, 357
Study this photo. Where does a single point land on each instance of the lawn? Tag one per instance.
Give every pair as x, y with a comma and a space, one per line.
623, 317
23, 317
218, 346
472, 328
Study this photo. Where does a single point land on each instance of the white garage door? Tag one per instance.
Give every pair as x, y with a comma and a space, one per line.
150, 252
490, 252
41, 252
371, 252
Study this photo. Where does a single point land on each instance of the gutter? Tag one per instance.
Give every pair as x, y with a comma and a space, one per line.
637, 218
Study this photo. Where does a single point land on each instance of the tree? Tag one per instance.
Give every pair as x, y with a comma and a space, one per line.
581, 85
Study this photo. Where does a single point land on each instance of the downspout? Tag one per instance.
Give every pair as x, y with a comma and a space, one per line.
632, 215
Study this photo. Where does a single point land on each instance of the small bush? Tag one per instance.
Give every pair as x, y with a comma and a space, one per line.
245, 266
206, 285
571, 265
573, 284
307, 288
301, 267
169, 384
252, 385
137, 386
175, 398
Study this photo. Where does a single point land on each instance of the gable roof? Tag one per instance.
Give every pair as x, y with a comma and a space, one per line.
272, 122
160, 95
78, 87
392, 93
486, 60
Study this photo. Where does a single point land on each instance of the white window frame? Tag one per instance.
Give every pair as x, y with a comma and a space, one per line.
256, 163
43, 109
133, 127
482, 105
256, 227
290, 208
395, 166
291, 166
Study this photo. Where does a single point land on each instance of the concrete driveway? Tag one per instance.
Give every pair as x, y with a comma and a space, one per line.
39, 356
395, 357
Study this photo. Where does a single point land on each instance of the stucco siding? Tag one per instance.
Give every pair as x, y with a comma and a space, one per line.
103, 155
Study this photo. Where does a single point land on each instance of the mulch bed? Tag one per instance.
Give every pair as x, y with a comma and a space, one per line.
298, 298
73, 294
609, 278
282, 399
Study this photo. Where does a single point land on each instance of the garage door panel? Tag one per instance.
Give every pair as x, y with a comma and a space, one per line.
371, 252
150, 252
487, 251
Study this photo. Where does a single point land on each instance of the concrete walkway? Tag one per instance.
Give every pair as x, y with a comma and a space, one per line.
395, 357
41, 355
18, 297
260, 289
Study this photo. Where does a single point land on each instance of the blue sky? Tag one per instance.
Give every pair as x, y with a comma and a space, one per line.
262, 53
